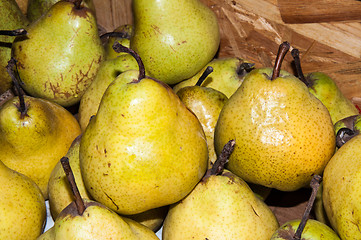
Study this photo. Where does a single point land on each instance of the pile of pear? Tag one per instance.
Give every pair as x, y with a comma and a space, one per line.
145, 128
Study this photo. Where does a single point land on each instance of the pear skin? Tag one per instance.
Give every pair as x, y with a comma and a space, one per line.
23, 210
32, 145
341, 189
143, 149
220, 207
60, 55
175, 39
285, 134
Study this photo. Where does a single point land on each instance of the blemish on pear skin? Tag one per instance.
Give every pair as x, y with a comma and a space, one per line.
109, 164
111, 200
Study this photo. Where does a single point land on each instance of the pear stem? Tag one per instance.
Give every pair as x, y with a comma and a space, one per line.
77, 3
16, 32
10, 69
282, 51
296, 57
222, 159
116, 34
343, 135
244, 68
69, 174
205, 74
315, 184
120, 48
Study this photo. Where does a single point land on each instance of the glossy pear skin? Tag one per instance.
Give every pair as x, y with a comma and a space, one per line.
314, 230
175, 39
33, 145
23, 211
108, 71
220, 207
226, 76
341, 189
97, 222
60, 194
325, 89
284, 134
206, 103
11, 18
60, 55
144, 149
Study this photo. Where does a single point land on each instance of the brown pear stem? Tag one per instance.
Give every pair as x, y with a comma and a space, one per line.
343, 135
222, 159
116, 34
282, 51
77, 3
120, 48
297, 61
69, 174
205, 74
16, 32
10, 69
315, 184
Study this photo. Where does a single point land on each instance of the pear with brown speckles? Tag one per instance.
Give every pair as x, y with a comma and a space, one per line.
284, 134
60, 55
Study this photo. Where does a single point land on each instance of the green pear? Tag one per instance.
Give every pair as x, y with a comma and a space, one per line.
36, 8
341, 189
227, 76
285, 134
325, 89
60, 54
23, 210
11, 18
206, 103
34, 134
347, 128
121, 35
108, 71
221, 206
143, 149
175, 39
318, 208
60, 195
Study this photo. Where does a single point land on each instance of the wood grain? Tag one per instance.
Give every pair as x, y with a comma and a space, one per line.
315, 11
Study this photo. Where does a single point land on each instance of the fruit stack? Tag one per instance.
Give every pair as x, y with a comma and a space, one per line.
148, 132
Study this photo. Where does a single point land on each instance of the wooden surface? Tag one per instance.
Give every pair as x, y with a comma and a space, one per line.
313, 11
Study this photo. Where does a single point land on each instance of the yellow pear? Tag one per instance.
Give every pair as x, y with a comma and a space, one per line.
284, 134
23, 211
341, 189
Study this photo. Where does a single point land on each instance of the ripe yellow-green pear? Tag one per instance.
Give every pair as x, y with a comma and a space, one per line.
175, 39
23, 211
341, 189
143, 149
227, 76
108, 71
284, 134
60, 195
121, 35
59, 56
221, 206
34, 134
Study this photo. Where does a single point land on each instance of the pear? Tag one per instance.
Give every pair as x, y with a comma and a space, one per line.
347, 128
221, 206
60, 55
60, 195
23, 210
143, 149
306, 228
206, 103
36, 8
318, 208
47, 235
108, 71
325, 89
175, 39
85, 219
34, 134
11, 18
153, 218
285, 134
228, 74
121, 35
341, 189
